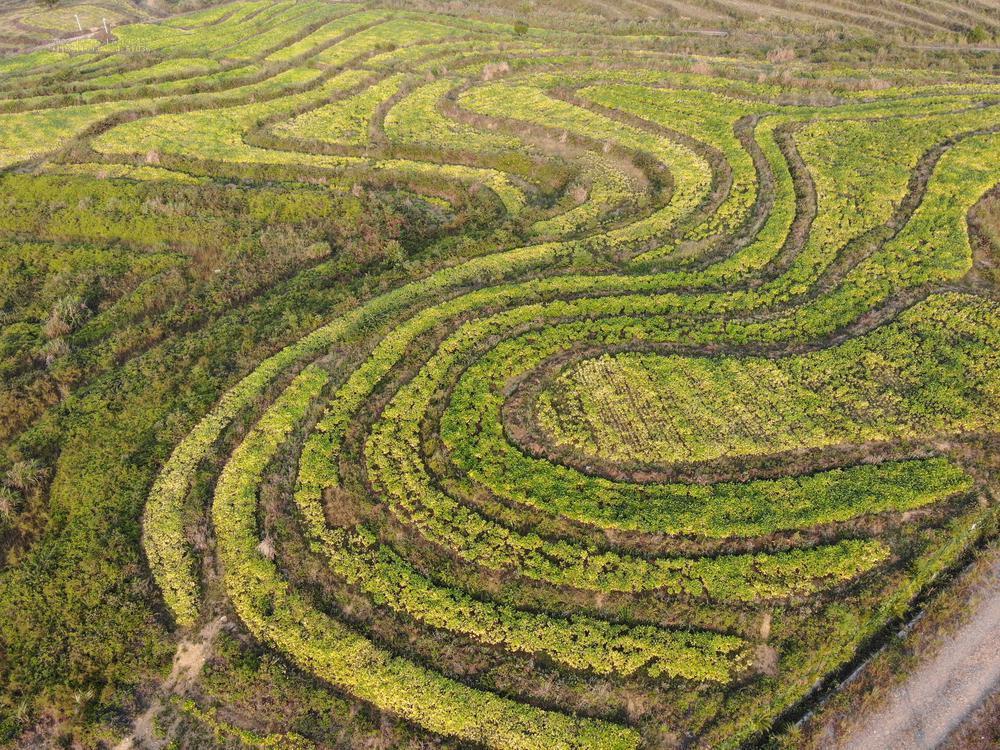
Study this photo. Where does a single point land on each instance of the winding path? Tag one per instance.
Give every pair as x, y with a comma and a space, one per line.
190, 657
934, 700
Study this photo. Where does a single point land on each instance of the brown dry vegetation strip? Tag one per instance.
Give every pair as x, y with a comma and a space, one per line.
681, 9
980, 730
851, 11
974, 13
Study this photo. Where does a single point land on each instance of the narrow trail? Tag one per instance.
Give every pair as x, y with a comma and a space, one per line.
190, 657
945, 689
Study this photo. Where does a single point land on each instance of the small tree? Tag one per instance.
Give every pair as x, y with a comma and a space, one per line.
520, 28
977, 34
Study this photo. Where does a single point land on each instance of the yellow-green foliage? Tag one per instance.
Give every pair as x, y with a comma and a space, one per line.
281, 33
345, 120
326, 35
607, 192
39, 59
709, 118
65, 18
690, 173
393, 32
883, 386
105, 171
181, 67
25, 135
218, 134
321, 645
416, 119
543, 356
222, 730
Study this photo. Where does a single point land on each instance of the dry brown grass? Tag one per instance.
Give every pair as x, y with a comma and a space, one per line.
981, 731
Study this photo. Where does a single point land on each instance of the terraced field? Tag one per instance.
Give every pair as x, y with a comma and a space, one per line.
920, 18
24, 25
539, 395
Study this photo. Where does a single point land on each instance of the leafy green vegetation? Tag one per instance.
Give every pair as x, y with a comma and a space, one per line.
434, 379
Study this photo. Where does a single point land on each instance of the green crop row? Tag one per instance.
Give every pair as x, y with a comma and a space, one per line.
581, 642
319, 644
245, 25
228, 13
164, 539
416, 119
282, 34
217, 135
852, 200
476, 297
326, 34
838, 211
29, 134
436, 57
624, 328
172, 68
219, 81
343, 121
691, 174
212, 15
766, 244
391, 33
708, 118
112, 171
960, 241
166, 503
24, 135
890, 384
396, 470
394, 464
472, 430
31, 61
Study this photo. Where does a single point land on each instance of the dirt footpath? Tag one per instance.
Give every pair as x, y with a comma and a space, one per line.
940, 693
188, 660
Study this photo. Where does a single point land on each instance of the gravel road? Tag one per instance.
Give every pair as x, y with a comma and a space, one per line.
935, 698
